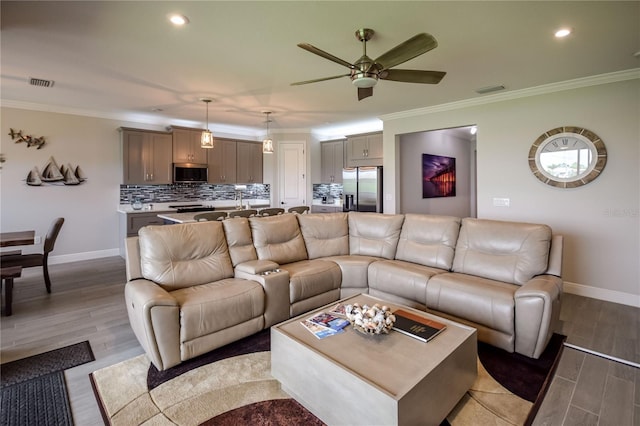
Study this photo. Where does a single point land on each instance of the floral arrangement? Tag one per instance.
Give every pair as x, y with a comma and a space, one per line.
367, 319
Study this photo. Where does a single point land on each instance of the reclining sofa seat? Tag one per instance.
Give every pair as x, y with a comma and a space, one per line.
503, 284
182, 298
312, 282
425, 248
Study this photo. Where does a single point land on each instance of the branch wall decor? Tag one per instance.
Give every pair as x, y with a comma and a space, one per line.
30, 140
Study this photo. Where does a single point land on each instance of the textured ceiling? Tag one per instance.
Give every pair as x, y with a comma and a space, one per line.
123, 59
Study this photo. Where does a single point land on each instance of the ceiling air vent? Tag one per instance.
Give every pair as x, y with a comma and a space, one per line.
490, 89
40, 82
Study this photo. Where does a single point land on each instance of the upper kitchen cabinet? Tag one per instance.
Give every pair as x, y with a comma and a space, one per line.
186, 146
332, 161
147, 157
249, 162
364, 150
222, 161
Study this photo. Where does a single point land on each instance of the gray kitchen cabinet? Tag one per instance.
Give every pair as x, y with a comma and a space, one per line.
222, 162
328, 208
332, 161
186, 146
146, 157
364, 150
249, 162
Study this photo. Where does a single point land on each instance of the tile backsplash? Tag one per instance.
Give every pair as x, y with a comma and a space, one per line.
330, 190
190, 192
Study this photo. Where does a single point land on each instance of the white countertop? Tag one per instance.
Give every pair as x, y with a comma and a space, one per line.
218, 204
336, 202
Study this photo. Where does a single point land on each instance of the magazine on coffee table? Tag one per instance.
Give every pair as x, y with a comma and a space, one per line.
339, 310
417, 326
318, 330
329, 320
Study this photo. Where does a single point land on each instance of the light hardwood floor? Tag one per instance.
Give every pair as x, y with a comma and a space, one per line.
87, 303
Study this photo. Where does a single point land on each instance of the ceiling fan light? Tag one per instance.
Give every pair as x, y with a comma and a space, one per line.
364, 82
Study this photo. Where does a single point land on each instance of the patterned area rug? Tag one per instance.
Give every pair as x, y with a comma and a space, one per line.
33, 389
233, 386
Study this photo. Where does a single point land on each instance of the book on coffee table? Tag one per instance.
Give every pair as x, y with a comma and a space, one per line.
417, 326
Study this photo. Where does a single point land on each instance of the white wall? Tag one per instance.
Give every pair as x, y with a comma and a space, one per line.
437, 142
600, 221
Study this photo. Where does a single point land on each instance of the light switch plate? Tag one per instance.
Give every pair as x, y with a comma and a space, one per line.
501, 202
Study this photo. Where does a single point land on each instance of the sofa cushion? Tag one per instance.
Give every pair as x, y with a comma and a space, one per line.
310, 278
212, 307
372, 234
512, 252
354, 270
184, 255
278, 238
404, 279
325, 234
239, 239
483, 301
428, 240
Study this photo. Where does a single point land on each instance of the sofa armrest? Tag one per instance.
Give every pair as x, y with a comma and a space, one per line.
275, 285
537, 313
154, 316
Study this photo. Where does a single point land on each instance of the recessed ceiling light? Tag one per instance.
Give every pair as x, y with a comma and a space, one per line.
562, 32
178, 19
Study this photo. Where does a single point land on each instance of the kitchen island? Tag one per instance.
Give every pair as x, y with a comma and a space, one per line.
132, 220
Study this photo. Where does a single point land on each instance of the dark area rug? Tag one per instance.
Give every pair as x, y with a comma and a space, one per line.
33, 389
524, 376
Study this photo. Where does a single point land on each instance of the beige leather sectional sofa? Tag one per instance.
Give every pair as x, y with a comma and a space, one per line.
195, 287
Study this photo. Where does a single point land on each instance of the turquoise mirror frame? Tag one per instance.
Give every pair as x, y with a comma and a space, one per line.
567, 157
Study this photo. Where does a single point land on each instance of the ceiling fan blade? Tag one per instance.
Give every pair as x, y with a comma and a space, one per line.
413, 76
364, 92
415, 46
329, 56
319, 79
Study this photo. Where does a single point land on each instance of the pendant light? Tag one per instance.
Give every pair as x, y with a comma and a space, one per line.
206, 140
267, 143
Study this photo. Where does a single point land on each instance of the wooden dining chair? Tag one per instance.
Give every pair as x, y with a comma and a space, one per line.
273, 211
201, 217
37, 259
299, 209
243, 213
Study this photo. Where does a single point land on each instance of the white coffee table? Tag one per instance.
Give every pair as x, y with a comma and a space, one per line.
392, 379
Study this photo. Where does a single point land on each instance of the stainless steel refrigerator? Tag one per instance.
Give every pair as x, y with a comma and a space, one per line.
362, 189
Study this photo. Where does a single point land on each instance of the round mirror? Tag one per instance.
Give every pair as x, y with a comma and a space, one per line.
567, 157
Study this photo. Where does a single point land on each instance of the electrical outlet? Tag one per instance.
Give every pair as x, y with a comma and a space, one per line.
501, 202
37, 239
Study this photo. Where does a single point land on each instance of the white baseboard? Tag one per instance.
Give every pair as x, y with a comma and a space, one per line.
603, 294
67, 258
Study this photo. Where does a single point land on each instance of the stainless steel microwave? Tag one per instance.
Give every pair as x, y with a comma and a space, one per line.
190, 173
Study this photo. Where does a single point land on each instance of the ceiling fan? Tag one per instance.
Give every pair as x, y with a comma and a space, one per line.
365, 72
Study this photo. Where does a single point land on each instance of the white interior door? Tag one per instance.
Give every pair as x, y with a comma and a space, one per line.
293, 174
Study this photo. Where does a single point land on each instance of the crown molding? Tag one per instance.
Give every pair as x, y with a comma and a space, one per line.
577, 83
147, 119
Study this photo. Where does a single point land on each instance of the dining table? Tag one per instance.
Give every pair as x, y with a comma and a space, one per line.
12, 239
19, 238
